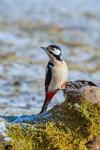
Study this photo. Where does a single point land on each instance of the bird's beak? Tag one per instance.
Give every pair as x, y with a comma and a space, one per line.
44, 48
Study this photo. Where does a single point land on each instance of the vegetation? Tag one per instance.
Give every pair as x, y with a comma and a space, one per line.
74, 123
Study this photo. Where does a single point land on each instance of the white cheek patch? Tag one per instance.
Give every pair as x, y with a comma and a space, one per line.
56, 51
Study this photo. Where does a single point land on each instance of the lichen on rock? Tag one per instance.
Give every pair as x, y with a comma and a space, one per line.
73, 125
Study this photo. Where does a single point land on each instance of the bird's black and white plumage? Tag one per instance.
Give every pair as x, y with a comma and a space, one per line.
56, 73
48, 75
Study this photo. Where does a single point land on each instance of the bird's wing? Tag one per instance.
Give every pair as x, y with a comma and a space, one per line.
48, 76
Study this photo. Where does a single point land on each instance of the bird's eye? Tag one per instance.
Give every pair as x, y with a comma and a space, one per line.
49, 48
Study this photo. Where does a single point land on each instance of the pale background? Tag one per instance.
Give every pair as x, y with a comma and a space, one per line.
25, 26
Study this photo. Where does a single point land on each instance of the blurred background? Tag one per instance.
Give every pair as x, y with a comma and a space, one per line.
25, 26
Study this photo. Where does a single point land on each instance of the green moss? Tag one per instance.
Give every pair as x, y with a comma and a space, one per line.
75, 123
81, 118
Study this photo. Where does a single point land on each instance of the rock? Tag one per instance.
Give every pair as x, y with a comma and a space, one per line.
4, 138
8, 147
94, 144
81, 88
74, 124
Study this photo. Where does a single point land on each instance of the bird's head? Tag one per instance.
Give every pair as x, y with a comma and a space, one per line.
54, 52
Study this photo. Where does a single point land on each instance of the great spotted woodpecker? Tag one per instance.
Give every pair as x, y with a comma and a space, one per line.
56, 74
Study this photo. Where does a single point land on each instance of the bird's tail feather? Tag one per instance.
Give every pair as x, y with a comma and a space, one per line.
45, 105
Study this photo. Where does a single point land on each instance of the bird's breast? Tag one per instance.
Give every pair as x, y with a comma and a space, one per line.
59, 76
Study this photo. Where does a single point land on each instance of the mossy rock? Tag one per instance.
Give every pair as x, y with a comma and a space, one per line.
90, 93
73, 125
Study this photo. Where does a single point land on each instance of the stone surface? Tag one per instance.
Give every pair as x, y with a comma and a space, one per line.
81, 88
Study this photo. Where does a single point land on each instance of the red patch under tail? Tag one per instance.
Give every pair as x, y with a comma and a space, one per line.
50, 95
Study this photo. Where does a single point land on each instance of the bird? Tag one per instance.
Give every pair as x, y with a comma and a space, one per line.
56, 74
